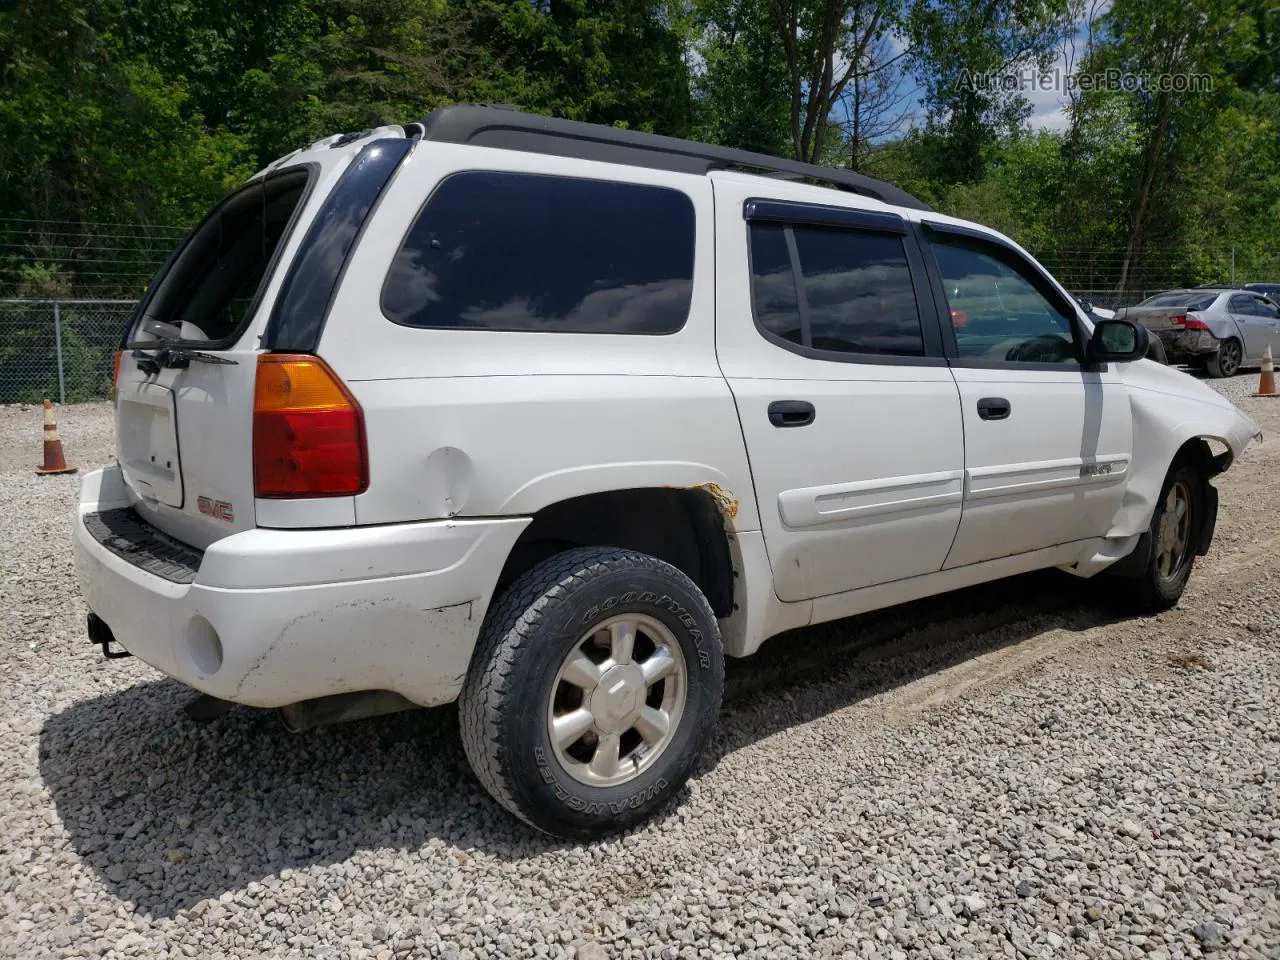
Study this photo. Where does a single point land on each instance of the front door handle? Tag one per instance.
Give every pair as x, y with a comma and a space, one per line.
791, 413
994, 408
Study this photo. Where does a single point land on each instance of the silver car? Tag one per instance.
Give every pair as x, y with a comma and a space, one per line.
1222, 329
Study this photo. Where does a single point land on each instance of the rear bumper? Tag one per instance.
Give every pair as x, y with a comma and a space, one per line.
1188, 343
277, 616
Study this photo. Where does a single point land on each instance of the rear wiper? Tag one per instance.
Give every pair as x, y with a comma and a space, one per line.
172, 358
170, 351
181, 357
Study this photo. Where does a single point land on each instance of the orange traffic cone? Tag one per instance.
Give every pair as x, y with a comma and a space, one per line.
1267, 380
54, 462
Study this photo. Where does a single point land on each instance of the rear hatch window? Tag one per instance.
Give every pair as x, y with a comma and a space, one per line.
210, 288
185, 392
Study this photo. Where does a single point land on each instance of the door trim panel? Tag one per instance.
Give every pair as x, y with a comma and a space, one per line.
985, 482
836, 502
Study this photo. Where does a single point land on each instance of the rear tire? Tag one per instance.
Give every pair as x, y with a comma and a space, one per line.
1226, 362
1173, 531
593, 690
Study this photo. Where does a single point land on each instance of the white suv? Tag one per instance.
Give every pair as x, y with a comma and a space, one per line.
548, 418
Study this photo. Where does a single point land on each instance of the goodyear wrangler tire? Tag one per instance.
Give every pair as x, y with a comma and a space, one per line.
593, 689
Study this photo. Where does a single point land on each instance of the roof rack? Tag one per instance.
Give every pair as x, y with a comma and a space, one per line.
509, 129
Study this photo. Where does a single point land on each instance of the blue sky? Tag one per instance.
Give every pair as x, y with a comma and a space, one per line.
1048, 107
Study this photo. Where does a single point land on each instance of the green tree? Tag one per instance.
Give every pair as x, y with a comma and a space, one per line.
616, 62
957, 48
1158, 39
797, 76
91, 129
742, 90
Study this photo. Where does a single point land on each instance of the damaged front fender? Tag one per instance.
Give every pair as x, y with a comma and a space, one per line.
1175, 415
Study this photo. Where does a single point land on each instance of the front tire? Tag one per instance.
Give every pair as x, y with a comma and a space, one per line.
1226, 362
1173, 531
593, 690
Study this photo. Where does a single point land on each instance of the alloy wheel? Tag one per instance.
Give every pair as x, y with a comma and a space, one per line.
1173, 543
617, 700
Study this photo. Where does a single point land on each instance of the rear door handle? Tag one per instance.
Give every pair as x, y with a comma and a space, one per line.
791, 413
994, 408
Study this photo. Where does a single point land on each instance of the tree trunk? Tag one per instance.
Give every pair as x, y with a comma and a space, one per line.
855, 133
1153, 161
788, 22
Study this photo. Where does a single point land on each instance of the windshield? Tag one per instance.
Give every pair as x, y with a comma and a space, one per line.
1188, 301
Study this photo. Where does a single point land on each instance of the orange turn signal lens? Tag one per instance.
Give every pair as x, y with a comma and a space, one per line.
308, 430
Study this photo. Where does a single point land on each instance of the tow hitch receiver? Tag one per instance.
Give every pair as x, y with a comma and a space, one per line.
100, 634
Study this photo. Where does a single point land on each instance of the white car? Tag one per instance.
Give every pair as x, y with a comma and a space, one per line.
1094, 312
549, 418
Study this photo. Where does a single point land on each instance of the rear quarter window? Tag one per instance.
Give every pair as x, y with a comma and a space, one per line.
527, 252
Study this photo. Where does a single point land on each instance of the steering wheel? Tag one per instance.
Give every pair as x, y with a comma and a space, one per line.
1042, 349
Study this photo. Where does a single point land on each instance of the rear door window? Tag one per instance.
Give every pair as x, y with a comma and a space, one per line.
773, 284
853, 295
526, 252
1265, 308
212, 286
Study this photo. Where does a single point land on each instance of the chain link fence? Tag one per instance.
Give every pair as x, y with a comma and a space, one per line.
1112, 300
64, 350
60, 350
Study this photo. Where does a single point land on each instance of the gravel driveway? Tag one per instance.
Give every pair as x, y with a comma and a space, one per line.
1013, 770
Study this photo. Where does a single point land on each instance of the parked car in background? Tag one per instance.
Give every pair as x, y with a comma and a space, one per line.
1155, 349
1269, 290
550, 418
1102, 313
1225, 329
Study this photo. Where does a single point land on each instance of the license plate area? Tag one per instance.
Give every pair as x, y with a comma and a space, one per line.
148, 432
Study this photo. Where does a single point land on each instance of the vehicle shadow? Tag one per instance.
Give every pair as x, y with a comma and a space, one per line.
170, 812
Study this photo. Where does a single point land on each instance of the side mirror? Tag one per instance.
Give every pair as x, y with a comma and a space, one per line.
1118, 341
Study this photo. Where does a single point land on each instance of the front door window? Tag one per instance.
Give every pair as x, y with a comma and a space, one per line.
996, 311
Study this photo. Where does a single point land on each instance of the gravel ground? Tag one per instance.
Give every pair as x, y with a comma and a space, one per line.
1014, 770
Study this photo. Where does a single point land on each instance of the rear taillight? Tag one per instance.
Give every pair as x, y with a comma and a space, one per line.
308, 430
1178, 321
1194, 323
115, 374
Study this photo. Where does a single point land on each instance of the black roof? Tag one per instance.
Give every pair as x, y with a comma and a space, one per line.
509, 129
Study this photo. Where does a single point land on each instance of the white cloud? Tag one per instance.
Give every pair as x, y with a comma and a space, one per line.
1048, 106
1046, 93
1054, 119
